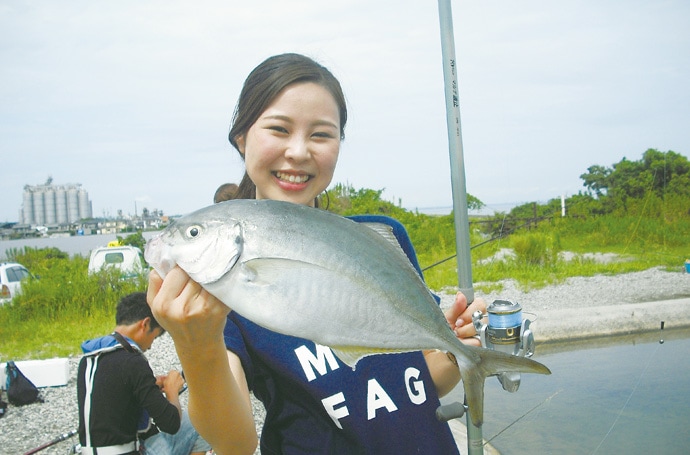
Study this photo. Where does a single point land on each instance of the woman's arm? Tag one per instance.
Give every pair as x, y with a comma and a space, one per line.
443, 367
219, 404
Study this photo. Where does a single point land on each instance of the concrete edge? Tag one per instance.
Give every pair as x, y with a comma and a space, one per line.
622, 319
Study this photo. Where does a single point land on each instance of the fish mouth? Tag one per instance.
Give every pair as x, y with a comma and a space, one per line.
292, 178
156, 254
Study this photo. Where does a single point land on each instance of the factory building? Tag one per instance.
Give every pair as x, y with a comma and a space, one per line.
50, 204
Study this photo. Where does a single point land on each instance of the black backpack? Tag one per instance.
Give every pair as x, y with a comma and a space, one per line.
20, 390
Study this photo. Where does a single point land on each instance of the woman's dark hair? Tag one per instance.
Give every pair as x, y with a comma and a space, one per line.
262, 86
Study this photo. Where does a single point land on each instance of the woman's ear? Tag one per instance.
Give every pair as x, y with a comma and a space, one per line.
240, 141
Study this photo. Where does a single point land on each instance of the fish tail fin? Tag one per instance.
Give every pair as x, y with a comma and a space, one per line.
490, 363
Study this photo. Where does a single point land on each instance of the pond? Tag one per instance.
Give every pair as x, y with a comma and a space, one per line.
606, 396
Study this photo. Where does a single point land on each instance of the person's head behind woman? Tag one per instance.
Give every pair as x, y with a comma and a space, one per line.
264, 84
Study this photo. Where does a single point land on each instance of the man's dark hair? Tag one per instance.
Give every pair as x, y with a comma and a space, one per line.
133, 308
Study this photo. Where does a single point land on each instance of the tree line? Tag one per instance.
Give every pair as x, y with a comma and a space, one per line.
657, 185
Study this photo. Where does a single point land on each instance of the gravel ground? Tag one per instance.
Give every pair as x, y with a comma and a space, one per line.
27, 427
600, 290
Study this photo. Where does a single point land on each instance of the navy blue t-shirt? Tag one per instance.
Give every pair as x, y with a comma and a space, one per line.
315, 404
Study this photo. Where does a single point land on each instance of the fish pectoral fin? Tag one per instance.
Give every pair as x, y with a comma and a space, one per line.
268, 271
350, 355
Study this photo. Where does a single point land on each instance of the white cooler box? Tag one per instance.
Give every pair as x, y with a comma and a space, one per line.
43, 373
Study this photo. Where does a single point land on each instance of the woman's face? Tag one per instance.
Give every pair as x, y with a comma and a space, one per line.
291, 150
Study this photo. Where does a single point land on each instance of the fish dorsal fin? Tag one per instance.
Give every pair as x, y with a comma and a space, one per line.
385, 231
350, 355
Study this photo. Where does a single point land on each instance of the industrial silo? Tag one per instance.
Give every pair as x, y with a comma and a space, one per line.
84, 204
39, 215
27, 207
61, 205
72, 204
49, 205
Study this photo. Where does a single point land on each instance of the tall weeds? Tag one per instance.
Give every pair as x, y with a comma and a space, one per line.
62, 303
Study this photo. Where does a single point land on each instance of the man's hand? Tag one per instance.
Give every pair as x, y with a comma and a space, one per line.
172, 383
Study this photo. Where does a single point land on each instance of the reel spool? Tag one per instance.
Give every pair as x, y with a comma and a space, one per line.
508, 332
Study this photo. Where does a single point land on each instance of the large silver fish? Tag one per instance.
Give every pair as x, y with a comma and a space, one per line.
309, 273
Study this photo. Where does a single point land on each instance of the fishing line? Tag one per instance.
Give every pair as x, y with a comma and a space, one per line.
520, 418
632, 392
499, 236
502, 233
649, 192
534, 315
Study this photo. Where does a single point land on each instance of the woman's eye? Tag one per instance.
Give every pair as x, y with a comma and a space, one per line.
193, 231
278, 129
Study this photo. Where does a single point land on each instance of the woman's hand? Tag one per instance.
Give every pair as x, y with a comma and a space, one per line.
186, 310
444, 372
459, 317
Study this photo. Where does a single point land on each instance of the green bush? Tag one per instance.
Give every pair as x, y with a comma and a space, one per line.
535, 248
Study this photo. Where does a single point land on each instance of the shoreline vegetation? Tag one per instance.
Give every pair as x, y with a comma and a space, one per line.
66, 305
634, 216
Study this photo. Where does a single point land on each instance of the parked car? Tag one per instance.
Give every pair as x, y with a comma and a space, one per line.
11, 276
128, 259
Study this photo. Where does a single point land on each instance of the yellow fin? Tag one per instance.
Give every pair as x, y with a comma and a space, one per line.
350, 355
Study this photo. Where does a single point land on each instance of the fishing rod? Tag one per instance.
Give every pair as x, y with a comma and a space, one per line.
458, 184
60, 438
505, 330
455, 150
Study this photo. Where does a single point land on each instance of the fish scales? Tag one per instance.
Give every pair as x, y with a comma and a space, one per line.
308, 273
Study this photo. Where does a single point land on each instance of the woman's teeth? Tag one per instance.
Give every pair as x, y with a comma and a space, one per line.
292, 178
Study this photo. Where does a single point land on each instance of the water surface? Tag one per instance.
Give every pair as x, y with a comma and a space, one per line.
74, 245
618, 396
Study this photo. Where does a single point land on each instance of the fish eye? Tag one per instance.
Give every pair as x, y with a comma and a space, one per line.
193, 231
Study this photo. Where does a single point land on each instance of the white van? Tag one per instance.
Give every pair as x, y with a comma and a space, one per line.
128, 259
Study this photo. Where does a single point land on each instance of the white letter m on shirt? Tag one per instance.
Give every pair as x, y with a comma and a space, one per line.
320, 361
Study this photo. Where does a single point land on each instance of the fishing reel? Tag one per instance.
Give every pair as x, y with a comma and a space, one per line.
508, 332
505, 331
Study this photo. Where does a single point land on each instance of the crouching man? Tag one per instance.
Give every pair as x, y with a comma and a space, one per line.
118, 392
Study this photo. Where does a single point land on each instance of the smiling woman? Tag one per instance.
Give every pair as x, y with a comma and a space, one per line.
288, 126
300, 112
291, 150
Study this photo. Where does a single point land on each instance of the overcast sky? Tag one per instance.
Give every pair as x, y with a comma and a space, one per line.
133, 98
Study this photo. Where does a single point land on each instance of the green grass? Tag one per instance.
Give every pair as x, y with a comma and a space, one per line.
41, 339
639, 244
